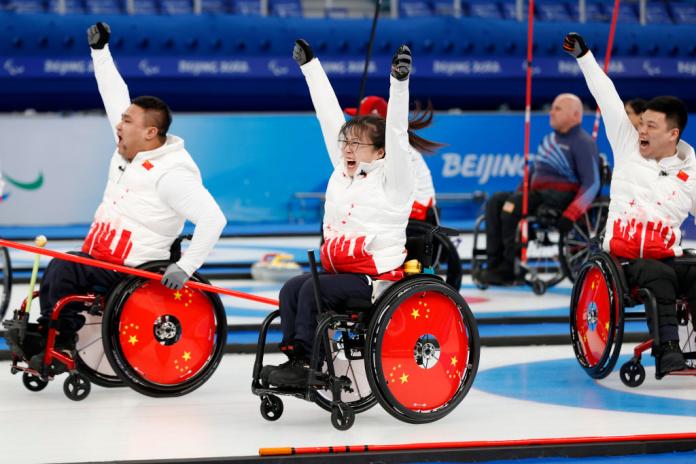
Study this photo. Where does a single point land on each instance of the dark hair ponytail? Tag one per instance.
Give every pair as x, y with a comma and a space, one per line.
422, 119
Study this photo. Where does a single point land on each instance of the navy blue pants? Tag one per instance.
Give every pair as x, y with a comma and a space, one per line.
63, 278
298, 309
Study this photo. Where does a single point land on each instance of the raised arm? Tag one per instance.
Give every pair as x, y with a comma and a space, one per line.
112, 88
397, 160
324, 99
620, 132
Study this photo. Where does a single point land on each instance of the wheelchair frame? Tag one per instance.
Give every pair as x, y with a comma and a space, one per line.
343, 413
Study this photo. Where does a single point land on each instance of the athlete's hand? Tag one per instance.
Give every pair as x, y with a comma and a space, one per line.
98, 35
401, 63
575, 45
302, 52
174, 277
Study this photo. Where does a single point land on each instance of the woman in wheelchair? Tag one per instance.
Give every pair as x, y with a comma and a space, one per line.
652, 192
368, 202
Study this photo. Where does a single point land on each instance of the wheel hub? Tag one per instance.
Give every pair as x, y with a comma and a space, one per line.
591, 316
167, 330
427, 351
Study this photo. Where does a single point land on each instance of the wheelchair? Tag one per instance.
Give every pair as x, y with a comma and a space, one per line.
551, 255
159, 342
379, 351
597, 313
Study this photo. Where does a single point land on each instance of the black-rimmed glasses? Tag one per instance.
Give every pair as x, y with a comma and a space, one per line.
353, 145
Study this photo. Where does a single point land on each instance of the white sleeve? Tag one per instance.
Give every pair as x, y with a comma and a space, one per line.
184, 193
622, 136
326, 105
398, 167
112, 88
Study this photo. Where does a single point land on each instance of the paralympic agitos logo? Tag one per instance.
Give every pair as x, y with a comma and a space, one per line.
33, 185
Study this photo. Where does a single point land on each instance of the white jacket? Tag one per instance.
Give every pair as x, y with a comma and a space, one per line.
424, 194
147, 200
365, 217
649, 199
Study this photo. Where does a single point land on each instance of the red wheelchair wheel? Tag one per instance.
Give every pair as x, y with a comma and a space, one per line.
163, 342
596, 316
424, 349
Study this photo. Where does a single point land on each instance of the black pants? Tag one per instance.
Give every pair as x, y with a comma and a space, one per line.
502, 220
298, 309
666, 281
64, 278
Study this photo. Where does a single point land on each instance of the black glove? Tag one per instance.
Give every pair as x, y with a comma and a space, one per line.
575, 45
174, 277
401, 63
564, 225
302, 52
98, 35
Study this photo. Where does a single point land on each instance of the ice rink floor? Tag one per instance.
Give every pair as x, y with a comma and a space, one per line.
526, 392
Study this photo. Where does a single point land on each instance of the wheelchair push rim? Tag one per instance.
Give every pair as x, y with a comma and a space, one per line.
596, 318
424, 350
163, 342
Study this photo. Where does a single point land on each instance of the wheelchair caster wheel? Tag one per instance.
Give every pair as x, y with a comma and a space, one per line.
538, 287
76, 387
343, 417
271, 407
13, 370
33, 383
632, 374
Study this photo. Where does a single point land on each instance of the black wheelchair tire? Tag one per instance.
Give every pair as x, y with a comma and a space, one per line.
611, 352
386, 306
6, 281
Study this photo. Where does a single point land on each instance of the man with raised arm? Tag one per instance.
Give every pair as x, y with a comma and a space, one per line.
153, 187
653, 189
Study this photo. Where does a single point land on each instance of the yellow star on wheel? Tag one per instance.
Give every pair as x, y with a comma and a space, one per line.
404, 378
453, 361
177, 295
187, 355
415, 314
133, 340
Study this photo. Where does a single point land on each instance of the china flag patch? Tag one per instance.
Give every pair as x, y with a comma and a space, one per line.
682, 176
148, 165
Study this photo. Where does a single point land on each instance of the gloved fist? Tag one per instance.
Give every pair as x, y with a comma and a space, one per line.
401, 63
98, 35
302, 52
174, 277
564, 225
575, 45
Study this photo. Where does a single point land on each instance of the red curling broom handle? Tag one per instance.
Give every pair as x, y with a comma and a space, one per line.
527, 122
132, 271
607, 60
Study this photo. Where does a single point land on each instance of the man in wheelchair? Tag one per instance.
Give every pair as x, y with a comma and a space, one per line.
564, 176
653, 190
153, 187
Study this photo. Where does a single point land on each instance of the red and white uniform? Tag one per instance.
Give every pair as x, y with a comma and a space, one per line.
649, 199
147, 200
365, 216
